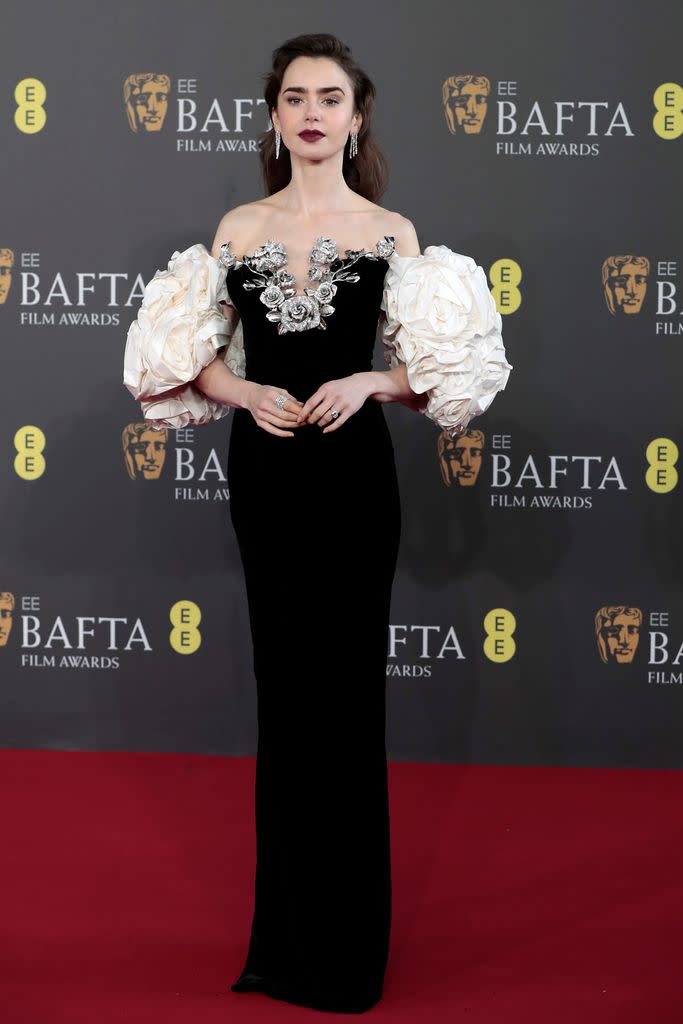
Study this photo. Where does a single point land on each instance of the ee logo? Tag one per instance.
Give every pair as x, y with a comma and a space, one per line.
668, 101
505, 276
185, 617
30, 117
662, 456
29, 462
499, 625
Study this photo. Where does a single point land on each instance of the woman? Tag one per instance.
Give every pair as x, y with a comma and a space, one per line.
304, 276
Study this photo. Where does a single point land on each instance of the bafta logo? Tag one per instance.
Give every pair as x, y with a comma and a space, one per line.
6, 615
144, 450
624, 282
460, 457
617, 631
6, 264
146, 99
465, 102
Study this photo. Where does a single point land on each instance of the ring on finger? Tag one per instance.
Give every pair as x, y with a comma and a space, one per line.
280, 400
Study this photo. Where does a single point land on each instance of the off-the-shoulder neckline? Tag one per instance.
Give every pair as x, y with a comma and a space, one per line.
261, 249
272, 255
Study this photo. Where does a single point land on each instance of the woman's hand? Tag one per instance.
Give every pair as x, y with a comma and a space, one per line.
261, 405
346, 395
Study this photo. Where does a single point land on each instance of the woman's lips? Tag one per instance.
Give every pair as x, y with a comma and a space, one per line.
311, 136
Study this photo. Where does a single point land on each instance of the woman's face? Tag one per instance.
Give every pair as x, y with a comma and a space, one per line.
316, 95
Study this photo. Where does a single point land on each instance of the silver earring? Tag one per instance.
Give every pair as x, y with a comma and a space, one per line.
353, 144
277, 143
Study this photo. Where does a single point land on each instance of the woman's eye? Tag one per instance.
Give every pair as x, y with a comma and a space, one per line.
328, 99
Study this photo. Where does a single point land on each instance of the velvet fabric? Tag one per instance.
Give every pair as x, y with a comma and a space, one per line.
317, 519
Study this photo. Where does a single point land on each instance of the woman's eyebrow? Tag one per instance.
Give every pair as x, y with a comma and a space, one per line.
323, 88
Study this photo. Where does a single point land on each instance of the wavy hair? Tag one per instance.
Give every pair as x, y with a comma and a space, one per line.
367, 173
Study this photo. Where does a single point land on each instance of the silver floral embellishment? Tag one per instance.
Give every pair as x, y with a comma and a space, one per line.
287, 308
227, 257
298, 313
385, 247
269, 257
324, 251
272, 295
325, 292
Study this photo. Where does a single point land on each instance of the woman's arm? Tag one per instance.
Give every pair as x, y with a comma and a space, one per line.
392, 385
216, 381
220, 384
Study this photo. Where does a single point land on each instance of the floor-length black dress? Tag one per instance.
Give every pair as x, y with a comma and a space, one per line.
317, 519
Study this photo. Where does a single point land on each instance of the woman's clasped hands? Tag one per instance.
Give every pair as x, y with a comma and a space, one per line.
345, 395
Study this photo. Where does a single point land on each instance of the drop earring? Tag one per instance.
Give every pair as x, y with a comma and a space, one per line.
277, 143
353, 144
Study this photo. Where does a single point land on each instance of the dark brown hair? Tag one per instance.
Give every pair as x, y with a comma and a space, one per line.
366, 173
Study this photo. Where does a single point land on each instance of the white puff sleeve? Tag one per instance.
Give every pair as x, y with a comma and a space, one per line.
179, 330
440, 319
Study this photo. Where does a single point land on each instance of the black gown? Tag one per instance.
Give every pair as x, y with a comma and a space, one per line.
317, 520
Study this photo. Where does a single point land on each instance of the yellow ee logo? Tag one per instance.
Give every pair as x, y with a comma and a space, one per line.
29, 117
29, 462
662, 456
668, 101
499, 625
185, 616
505, 276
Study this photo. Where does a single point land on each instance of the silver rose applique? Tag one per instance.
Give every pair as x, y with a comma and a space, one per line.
289, 309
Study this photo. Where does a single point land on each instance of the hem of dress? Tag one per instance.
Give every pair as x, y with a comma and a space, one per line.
250, 982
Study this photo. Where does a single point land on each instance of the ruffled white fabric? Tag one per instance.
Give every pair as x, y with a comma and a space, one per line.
440, 319
178, 331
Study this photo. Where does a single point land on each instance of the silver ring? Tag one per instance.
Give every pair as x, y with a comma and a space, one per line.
334, 414
280, 400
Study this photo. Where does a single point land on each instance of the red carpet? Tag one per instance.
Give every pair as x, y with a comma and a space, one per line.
530, 895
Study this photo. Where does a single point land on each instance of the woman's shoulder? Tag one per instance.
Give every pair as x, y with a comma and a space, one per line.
402, 229
251, 219
395, 224
237, 223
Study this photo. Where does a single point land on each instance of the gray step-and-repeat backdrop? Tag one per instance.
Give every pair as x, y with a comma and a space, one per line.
537, 614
